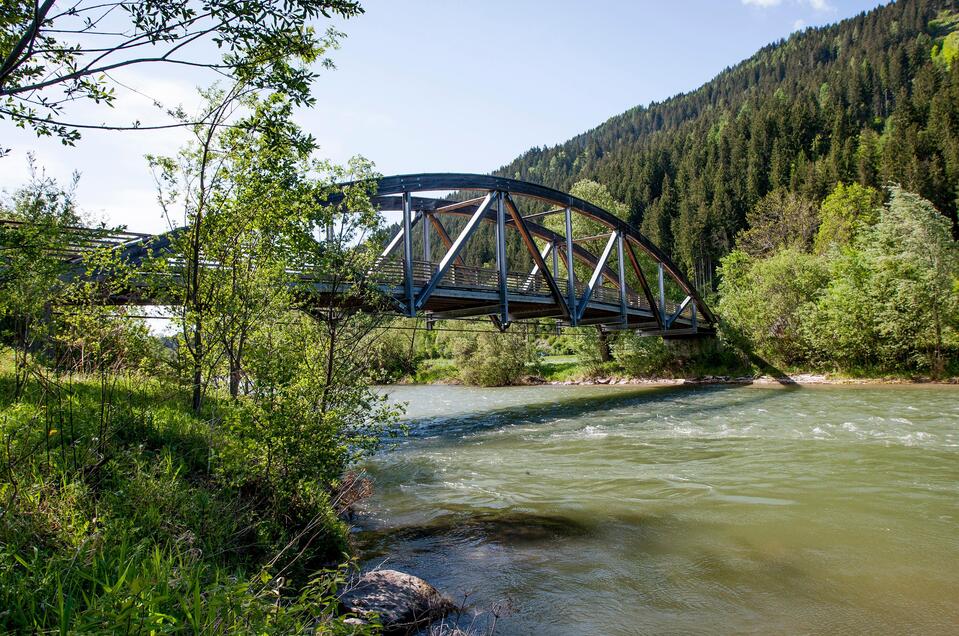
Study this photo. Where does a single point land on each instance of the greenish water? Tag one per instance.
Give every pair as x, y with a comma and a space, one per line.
711, 510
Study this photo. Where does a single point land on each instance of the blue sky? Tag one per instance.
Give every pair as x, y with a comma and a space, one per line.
451, 86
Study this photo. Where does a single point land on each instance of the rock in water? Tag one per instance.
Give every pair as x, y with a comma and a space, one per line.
402, 601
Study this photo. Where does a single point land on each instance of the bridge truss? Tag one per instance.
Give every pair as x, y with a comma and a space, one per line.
448, 288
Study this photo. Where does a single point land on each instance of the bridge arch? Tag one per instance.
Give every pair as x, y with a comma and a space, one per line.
449, 289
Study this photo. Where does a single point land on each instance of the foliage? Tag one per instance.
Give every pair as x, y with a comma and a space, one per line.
846, 210
762, 300
133, 530
779, 220
52, 55
120, 511
486, 357
641, 357
885, 301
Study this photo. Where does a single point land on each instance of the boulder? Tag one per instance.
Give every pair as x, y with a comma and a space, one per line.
403, 602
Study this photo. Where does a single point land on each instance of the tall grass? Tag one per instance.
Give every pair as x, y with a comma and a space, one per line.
117, 515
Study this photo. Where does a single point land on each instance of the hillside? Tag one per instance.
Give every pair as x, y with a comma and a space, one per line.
873, 99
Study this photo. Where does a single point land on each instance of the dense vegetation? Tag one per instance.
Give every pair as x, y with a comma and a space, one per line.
871, 100
189, 483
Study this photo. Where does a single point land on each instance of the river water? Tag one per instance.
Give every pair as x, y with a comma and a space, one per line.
680, 510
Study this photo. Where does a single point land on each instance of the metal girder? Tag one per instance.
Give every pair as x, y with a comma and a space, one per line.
679, 310
459, 205
593, 237
452, 253
570, 273
662, 296
399, 238
643, 283
426, 240
536, 313
622, 274
602, 320
536, 215
408, 253
501, 256
467, 312
594, 279
537, 257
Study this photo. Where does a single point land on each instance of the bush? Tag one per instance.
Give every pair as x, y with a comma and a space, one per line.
642, 357
489, 358
762, 301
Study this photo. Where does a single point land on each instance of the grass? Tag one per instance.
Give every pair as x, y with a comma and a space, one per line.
435, 371
560, 368
117, 517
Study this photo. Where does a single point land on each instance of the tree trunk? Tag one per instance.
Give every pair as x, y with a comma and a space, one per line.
197, 366
605, 354
235, 373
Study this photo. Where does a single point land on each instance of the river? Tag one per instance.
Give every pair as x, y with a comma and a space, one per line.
682, 510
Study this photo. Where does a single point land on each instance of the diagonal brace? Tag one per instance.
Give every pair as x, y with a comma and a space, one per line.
679, 310
647, 292
443, 234
531, 278
594, 279
537, 257
453, 252
396, 240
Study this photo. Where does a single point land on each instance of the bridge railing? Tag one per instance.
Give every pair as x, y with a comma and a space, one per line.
390, 272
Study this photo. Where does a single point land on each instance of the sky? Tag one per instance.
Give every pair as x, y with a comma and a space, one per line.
442, 86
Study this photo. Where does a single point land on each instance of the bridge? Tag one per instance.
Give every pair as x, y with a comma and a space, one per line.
614, 277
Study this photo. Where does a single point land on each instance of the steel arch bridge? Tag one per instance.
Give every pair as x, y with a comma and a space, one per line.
564, 278
447, 288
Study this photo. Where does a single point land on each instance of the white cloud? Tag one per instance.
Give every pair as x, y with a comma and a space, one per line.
762, 3
798, 25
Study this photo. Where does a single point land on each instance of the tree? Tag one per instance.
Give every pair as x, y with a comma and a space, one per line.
37, 233
763, 300
486, 357
239, 194
846, 210
779, 220
53, 53
915, 266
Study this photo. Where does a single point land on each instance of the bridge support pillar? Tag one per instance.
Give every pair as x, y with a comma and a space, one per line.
408, 254
570, 274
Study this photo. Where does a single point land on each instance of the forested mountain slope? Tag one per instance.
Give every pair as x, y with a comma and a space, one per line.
873, 99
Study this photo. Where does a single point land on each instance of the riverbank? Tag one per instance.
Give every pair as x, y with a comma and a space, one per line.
566, 370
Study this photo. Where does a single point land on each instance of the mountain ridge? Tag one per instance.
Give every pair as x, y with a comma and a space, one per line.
873, 99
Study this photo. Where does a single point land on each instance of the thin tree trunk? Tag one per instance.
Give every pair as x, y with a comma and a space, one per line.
234, 376
197, 366
605, 354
